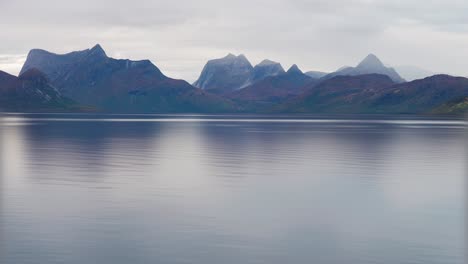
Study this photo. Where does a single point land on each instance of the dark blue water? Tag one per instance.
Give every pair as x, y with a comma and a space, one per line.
231, 189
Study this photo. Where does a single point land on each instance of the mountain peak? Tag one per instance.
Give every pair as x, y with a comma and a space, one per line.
294, 69
267, 62
233, 58
225, 74
230, 56
372, 56
265, 69
242, 56
98, 50
371, 64
371, 61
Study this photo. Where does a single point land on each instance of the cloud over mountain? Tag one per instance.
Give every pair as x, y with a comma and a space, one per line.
181, 36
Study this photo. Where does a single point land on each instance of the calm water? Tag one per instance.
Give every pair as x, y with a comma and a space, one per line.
227, 189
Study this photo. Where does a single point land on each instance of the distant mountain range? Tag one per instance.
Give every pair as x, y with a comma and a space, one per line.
371, 64
89, 80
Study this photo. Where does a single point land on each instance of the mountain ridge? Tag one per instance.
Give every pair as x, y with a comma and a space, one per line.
230, 73
369, 65
91, 77
271, 90
377, 93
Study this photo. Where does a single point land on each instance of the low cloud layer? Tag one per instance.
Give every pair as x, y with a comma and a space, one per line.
179, 37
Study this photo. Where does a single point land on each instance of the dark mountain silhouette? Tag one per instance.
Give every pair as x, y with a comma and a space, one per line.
421, 96
371, 64
31, 91
272, 90
92, 78
340, 94
376, 93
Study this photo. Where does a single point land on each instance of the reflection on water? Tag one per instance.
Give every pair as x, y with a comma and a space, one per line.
228, 189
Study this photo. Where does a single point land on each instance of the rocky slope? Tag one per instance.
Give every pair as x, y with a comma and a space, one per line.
265, 69
225, 75
231, 73
31, 91
457, 106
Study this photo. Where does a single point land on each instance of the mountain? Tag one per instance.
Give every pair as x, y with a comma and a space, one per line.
453, 107
231, 73
340, 94
272, 90
376, 93
91, 77
316, 74
225, 75
265, 69
31, 91
57, 66
370, 65
420, 96
411, 73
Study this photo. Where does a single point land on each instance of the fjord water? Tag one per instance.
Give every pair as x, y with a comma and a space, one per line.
231, 189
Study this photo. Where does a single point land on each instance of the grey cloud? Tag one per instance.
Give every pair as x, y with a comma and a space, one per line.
11, 63
12, 58
180, 36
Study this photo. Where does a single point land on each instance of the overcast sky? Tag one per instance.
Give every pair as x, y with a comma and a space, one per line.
180, 36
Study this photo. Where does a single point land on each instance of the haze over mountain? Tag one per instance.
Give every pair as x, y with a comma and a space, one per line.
232, 73
316, 74
92, 78
411, 73
371, 64
319, 34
